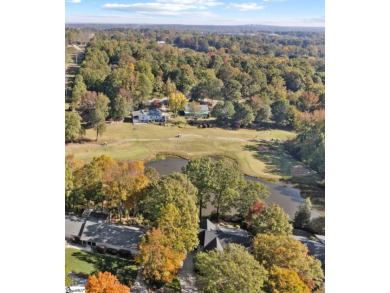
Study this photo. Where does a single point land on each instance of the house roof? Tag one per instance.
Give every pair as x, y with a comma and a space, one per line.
202, 108
214, 244
206, 224
73, 226
217, 236
94, 229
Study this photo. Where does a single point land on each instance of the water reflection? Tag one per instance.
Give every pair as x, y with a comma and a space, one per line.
286, 194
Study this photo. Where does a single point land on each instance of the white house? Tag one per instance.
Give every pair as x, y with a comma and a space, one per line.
143, 116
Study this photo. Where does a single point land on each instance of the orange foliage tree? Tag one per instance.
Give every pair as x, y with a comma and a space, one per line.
105, 283
285, 280
159, 260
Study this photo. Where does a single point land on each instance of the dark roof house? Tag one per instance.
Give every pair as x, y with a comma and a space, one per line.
211, 236
96, 230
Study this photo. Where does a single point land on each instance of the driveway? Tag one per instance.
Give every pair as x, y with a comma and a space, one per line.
187, 275
139, 284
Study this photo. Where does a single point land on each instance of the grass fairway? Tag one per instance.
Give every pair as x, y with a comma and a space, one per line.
122, 131
271, 163
81, 262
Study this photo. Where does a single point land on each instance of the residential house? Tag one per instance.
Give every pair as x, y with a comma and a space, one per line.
95, 230
217, 237
144, 116
193, 109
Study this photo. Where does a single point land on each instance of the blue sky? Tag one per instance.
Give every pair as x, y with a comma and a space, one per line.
217, 12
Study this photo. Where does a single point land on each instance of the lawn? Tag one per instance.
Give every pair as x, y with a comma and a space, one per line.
270, 164
122, 131
81, 262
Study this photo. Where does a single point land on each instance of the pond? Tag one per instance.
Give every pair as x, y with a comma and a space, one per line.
288, 195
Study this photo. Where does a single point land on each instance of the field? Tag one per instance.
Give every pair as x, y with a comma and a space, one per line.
265, 160
84, 263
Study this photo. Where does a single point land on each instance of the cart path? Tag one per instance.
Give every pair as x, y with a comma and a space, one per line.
71, 145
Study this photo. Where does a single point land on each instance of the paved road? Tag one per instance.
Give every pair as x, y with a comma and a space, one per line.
139, 284
187, 276
316, 245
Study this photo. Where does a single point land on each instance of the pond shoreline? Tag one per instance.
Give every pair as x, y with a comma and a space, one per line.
287, 180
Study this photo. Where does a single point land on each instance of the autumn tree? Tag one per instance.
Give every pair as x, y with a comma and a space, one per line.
105, 283
200, 172
175, 189
232, 270
177, 102
169, 87
159, 261
255, 209
308, 101
249, 193
288, 253
285, 280
271, 220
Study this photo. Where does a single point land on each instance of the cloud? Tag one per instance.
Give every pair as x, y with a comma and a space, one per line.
74, 1
148, 7
245, 6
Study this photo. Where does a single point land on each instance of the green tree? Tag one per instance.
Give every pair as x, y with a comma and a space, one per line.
223, 111
231, 90
272, 221
243, 114
120, 108
250, 192
78, 91
73, 128
176, 189
288, 253
99, 114
98, 120
95, 69
200, 172
226, 181
280, 110
303, 214
186, 79
232, 270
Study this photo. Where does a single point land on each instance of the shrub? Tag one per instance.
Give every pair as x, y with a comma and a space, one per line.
112, 251
102, 249
125, 253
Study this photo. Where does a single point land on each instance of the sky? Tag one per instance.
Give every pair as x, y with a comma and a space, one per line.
198, 12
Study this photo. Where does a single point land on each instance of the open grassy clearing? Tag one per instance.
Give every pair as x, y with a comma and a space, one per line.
122, 131
81, 262
264, 160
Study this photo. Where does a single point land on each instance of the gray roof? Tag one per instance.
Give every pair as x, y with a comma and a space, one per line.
206, 224
73, 226
216, 236
96, 230
202, 108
